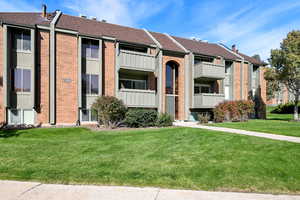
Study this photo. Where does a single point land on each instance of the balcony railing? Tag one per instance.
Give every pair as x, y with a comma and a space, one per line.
209, 70
207, 100
136, 61
138, 98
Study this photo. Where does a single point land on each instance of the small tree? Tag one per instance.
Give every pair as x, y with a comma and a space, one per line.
111, 111
285, 64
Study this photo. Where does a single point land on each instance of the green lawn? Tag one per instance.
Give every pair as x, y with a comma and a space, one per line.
276, 123
170, 158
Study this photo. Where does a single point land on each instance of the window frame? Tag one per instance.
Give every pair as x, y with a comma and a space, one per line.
21, 33
90, 115
89, 92
132, 81
13, 88
203, 85
88, 44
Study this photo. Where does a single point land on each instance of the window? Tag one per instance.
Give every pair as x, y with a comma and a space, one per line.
203, 59
15, 116
21, 40
88, 115
133, 48
90, 84
90, 49
133, 84
202, 89
171, 78
21, 80
20, 116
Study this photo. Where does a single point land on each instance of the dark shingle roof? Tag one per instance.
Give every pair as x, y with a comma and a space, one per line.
26, 18
252, 60
166, 42
205, 48
97, 28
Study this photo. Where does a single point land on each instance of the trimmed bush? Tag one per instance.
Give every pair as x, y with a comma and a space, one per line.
164, 120
233, 111
287, 108
111, 111
140, 118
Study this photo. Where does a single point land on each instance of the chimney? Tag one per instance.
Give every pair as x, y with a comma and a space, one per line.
233, 48
83, 16
44, 10
94, 18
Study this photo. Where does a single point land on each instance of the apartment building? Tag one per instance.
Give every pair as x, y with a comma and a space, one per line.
53, 66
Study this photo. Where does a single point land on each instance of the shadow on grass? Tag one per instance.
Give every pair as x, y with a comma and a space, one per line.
9, 133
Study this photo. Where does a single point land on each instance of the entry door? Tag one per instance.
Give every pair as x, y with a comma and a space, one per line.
171, 105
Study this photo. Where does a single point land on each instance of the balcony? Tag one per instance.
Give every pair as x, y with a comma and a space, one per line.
209, 70
207, 100
136, 61
138, 98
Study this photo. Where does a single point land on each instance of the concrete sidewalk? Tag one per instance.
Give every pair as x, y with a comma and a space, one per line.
15, 190
238, 131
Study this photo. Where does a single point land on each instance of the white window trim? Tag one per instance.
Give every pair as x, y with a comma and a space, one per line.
90, 116
89, 49
203, 85
138, 80
22, 50
21, 115
31, 78
89, 93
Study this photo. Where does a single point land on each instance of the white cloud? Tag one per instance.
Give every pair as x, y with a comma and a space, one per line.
16, 6
246, 27
123, 12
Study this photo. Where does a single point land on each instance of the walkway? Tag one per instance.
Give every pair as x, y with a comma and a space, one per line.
14, 190
242, 132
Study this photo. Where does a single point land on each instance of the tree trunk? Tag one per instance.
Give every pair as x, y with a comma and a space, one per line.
296, 115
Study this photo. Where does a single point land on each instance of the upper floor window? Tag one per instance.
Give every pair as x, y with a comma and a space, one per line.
133, 84
90, 84
21, 80
90, 48
133, 48
203, 59
201, 88
22, 40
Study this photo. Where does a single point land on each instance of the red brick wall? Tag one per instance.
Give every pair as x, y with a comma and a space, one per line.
263, 84
66, 79
43, 53
108, 68
181, 71
2, 109
237, 80
245, 81
152, 81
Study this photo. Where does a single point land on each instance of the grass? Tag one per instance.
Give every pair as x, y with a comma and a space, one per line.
279, 124
169, 158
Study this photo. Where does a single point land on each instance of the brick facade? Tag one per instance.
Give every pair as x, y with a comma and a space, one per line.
237, 80
108, 68
181, 71
66, 79
43, 54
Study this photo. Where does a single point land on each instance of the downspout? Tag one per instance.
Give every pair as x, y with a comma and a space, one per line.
52, 78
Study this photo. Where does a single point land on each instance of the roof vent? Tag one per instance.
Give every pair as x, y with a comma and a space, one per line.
44, 10
233, 48
83, 16
103, 20
94, 18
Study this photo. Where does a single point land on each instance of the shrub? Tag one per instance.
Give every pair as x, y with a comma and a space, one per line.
111, 111
203, 118
164, 120
287, 108
233, 111
140, 118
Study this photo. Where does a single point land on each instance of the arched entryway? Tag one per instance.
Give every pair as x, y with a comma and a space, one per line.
171, 90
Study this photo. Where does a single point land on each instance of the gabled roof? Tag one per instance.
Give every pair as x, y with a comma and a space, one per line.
205, 48
252, 60
97, 28
166, 42
26, 18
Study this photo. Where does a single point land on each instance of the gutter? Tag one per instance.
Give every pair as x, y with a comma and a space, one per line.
52, 77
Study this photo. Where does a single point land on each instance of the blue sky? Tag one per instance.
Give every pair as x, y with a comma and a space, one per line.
255, 26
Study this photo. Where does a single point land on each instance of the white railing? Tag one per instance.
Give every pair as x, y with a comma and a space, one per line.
136, 60
207, 100
209, 70
138, 98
